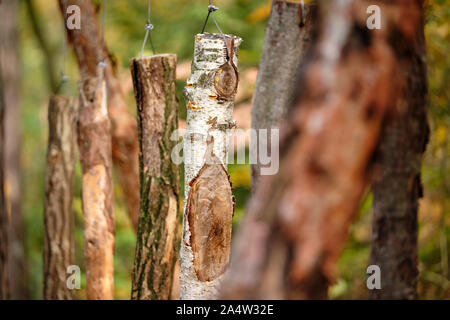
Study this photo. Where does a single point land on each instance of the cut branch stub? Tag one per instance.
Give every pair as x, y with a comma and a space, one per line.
59, 243
94, 142
158, 231
209, 210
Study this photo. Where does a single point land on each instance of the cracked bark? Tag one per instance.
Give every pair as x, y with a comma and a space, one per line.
397, 184
297, 222
209, 204
285, 49
158, 231
94, 143
59, 243
89, 52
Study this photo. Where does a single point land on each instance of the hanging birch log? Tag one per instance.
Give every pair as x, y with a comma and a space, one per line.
94, 141
210, 91
289, 36
158, 231
59, 243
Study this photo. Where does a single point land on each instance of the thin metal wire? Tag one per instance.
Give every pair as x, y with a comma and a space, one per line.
148, 27
211, 9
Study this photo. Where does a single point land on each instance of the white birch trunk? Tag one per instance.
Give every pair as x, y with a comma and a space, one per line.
208, 114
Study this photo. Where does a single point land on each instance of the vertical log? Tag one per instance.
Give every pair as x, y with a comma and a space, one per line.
9, 53
298, 220
4, 276
209, 204
59, 243
158, 232
87, 44
397, 185
289, 37
94, 142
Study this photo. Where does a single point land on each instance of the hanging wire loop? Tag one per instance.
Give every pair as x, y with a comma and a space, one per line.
148, 28
211, 9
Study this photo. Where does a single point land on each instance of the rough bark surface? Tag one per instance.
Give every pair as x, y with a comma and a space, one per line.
94, 142
9, 58
210, 94
397, 184
159, 218
298, 220
59, 243
4, 276
87, 44
288, 41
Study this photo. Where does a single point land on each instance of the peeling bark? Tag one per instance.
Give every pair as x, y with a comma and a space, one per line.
4, 279
285, 49
94, 142
209, 205
59, 243
87, 44
298, 220
158, 232
9, 53
397, 184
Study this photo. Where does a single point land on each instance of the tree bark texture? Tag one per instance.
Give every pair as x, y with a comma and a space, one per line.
4, 221
89, 51
59, 243
209, 203
298, 220
288, 40
9, 58
158, 232
94, 142
397, 184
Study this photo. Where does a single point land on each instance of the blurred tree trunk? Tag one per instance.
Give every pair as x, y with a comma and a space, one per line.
288, 40
89, 51
298, 220
9, 58
94, 144
397, 184
59, 242
4, 221
159, 220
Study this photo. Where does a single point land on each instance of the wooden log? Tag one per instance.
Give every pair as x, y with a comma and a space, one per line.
397, 186
59, 243
89, 51
288, 40
209, 92
94, 142
160, 214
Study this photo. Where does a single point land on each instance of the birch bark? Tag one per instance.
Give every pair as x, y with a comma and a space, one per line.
209, 93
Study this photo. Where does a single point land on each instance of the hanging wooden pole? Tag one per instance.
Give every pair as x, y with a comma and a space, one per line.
59, 243
209, 206
289, 36
94, 141
158, 231
89, 51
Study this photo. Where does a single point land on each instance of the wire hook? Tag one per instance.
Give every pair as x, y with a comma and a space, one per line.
211, 9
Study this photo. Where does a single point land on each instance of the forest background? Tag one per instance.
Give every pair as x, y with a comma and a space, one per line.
176, 22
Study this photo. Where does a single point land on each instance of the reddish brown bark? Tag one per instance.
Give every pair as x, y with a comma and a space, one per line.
89, 51
298, 220
397, 185
94, 142
59, 243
